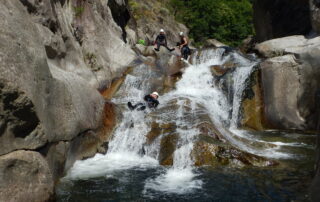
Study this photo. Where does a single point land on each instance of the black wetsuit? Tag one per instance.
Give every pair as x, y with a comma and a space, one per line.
150, 102
161, 40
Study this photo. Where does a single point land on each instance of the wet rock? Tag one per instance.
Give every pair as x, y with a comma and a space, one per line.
273, 18
252, 104
214, 155
158, 130
208, 129
220, 70
247, 45
25, 176
167, 148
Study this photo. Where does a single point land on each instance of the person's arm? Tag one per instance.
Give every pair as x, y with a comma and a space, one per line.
185, 42
147, 98
156, 103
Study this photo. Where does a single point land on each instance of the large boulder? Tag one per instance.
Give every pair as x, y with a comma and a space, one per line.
25, 176
274, 18
62, 100
315, 15
290, 82
48, 93
286, 45
290, 85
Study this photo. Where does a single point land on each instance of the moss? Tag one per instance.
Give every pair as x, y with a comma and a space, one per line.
78, 11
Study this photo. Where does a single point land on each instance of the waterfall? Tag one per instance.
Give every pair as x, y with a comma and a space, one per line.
196, 95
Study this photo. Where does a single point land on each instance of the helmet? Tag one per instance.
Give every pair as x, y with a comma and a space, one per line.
161, 30
181, 34
155, 93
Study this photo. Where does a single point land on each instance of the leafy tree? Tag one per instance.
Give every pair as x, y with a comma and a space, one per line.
229, 21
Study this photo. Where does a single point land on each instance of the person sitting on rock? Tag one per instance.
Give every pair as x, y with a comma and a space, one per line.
151, 101
183, 46
161, 40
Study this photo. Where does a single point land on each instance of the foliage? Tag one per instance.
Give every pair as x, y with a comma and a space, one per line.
229, 21
142, 42
78, 11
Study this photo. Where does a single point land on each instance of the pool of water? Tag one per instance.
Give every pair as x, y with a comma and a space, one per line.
216, 184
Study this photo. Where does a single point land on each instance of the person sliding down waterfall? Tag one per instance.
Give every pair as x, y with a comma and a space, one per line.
183, 46
151, 101
161, 40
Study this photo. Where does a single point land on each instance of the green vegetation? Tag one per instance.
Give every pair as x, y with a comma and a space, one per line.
229, 21
142, 42
78, 11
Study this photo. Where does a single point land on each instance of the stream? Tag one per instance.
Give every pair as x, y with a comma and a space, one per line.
161, 155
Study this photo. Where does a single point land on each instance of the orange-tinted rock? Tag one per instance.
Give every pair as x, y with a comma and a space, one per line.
157, 130
220, 70
205, 153
167, 148
115, 85
253, 106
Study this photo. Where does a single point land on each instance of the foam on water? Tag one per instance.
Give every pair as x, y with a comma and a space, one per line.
178, 181
108, 165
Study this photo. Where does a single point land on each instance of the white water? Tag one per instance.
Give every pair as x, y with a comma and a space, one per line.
196, 93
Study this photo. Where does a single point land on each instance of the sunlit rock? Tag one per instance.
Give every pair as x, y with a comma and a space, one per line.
25, 176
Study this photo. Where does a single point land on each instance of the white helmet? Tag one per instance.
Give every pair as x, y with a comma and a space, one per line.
155, 93
161, 30
181, 34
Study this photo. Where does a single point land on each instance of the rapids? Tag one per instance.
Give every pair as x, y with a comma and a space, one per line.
132, 170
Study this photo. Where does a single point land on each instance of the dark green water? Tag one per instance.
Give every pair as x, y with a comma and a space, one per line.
219, 184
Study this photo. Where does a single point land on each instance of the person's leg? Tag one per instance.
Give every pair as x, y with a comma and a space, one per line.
169, 49
141, 108
158, 46
133, 107
183, 53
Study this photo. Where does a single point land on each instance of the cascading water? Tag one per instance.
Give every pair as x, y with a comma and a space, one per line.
197, 98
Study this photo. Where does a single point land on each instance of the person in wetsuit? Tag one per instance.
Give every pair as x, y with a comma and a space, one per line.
183, 46
161, 40
151, 102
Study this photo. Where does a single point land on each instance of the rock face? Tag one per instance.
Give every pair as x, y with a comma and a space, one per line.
54, 57
315, 15
25, 176
287, 45
290, 82
274, 19
151, 16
